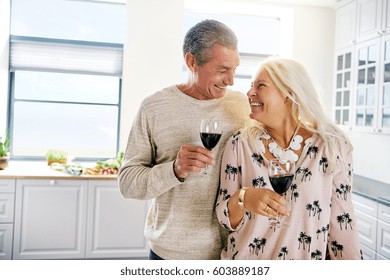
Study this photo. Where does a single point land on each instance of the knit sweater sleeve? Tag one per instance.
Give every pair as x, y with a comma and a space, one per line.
140, 177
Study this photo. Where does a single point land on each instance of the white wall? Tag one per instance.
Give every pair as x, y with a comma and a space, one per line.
152, 61
4, 54
152, 55
314, 47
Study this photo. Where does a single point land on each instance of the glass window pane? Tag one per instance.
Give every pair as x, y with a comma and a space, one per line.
345, 117
241, 84
80, 130
370, 100
360, 117
346, 98
338, 98
340, 62
74, 20
372, 54
387, 50
243, 25
362, 56
371, 75
348, 60
339, 80
66, 87
386, 95
386, 117
362, 76
347, 79
369, 117
386, 75
338, 117
360, 96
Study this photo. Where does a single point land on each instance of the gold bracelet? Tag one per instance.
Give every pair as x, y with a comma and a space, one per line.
241, 197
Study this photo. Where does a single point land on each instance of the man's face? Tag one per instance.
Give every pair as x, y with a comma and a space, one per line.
214, 76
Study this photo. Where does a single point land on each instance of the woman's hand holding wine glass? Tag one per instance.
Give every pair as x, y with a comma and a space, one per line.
281, 177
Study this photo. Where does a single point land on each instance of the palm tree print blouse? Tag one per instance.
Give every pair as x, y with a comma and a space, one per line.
322, 219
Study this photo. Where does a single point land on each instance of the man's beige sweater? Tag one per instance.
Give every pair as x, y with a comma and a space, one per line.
181, 223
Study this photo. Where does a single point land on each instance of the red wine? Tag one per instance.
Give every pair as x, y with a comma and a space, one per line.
210, 140
281, 183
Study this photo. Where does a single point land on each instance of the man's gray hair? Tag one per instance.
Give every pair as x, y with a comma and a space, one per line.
204, 35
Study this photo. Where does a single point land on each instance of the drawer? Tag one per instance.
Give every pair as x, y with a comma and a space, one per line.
365, 205
384, 213
383, 239
7, 202
367, 229
7, 186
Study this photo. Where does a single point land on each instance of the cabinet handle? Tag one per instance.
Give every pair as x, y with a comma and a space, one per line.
52, 183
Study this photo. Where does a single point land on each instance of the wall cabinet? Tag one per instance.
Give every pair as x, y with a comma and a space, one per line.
373, 221
76, 219
345, 33
7, 198
369, 19
362, 91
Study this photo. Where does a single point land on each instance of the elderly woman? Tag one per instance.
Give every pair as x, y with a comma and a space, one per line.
288, 124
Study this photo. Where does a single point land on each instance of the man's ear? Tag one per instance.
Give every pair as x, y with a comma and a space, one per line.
190, 61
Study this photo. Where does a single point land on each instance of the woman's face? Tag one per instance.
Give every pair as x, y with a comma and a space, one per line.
268, 104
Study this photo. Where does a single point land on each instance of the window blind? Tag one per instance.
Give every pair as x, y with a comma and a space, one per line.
31, 53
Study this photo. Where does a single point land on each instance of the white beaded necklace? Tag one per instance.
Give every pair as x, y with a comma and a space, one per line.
284, 155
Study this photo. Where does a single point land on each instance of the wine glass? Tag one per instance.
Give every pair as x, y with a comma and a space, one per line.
210, 133
281, 176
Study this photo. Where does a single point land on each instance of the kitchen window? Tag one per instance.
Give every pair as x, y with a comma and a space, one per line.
65, 69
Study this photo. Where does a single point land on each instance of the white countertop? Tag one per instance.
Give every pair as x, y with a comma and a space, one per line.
40, 170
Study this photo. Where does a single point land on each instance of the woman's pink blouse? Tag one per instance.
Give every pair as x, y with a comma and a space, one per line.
322, 220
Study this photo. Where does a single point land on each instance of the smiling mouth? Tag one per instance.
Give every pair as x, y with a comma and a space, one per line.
220, 87
254, 104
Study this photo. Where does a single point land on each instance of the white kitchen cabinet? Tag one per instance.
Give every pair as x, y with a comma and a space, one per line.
373, 221
366, 215
386, 16
50, 219
115, 225
77, 219
7, 197
343, 86
369, 19
383, 239
345, 35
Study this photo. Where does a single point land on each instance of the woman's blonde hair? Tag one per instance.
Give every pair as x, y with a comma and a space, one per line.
292, 79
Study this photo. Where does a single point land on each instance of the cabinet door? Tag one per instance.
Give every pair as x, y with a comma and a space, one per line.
384, 90
346, 25
6, 241
115, 225
7, 202
385, 16
369, 19
366, 212
50, 219
366, 86
383, 237
7, 207
343, 86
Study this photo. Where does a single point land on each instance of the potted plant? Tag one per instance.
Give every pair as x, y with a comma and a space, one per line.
5, 147
56, 156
